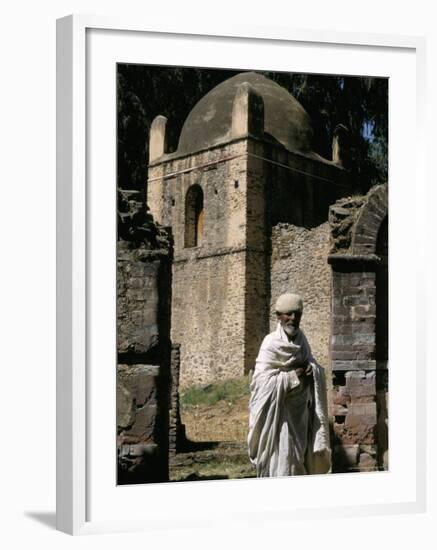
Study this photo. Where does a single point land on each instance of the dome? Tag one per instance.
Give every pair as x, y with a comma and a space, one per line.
210, 121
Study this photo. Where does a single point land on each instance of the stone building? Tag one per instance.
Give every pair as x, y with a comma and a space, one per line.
247, 201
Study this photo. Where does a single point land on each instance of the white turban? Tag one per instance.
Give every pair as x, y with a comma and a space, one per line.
288, 302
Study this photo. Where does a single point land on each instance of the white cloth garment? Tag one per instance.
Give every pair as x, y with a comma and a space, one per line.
288, 420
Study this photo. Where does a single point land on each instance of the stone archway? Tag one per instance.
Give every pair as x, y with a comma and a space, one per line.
359, 321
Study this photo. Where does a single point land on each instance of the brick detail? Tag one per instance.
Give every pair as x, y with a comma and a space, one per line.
360, 381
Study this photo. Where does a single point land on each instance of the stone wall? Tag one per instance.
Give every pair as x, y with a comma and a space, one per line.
177, 437
354, 368
138, 274
208, 317
141, 423
143, 343
359, 346
299, 263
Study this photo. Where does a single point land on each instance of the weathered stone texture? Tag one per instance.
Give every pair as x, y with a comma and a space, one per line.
143, 343
382, 403
299, 264
342, 217
142, 424
355, 222
353, 361
355, 419
137, 305
256, 306
137, 402
177, 438
359, 347
208, 317
353, 316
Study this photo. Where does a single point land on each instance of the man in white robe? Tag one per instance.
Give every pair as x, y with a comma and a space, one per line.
288, 421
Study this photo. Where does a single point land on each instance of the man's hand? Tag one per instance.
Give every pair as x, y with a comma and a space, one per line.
300, 371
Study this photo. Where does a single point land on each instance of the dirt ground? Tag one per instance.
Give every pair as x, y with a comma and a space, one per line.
220, 422
216, 443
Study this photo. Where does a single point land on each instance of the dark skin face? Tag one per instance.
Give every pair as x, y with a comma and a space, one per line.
291, 319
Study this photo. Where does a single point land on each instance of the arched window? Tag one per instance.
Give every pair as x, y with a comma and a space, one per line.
194, 216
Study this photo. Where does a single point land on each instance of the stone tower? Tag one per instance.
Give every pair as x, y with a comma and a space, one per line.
244, 165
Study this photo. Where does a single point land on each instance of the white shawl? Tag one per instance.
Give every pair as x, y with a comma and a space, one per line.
288, 420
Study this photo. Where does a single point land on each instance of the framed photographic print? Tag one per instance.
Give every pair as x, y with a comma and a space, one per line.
231, 211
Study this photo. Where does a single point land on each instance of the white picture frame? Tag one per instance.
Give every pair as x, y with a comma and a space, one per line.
77, 313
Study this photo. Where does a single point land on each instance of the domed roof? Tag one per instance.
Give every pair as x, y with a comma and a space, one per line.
210, 121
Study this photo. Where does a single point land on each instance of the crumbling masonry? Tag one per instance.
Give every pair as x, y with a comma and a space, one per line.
359, 335
143, 343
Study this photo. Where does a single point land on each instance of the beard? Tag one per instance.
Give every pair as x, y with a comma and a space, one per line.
290, 330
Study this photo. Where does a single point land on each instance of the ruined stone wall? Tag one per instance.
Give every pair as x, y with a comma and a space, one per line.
299, 263
143, 344
359, 337
138, 301
354, 368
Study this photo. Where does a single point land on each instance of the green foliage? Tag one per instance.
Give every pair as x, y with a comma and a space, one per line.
231, 391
